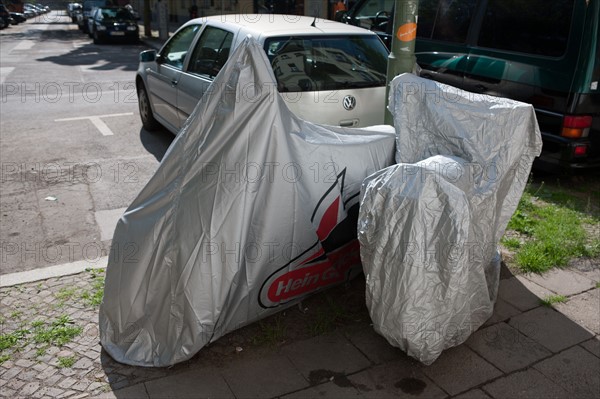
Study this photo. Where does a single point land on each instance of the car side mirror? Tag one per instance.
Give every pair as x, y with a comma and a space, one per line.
340, 16
149, 56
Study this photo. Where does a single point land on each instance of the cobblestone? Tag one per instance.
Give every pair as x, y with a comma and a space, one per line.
49, 372
29, 373
53, 380
68, 372
29, 389
40, 367
67, 394
15, 384
24, 363
81, 385
83, 363
10, 374
67, 382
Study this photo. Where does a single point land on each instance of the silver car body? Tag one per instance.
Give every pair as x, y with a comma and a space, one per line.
174, 88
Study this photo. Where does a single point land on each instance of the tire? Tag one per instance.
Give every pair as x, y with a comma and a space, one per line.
97, 39
146, 114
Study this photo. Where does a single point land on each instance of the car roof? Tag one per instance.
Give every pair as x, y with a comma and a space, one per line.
267, 25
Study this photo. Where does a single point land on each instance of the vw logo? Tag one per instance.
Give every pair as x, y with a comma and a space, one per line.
349, 102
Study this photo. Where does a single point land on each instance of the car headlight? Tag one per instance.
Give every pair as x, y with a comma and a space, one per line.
132, 28
101, 27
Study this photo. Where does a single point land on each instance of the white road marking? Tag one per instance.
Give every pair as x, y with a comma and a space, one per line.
97, 121
100, 125
107, 221
8, 280
4, 72
24, 45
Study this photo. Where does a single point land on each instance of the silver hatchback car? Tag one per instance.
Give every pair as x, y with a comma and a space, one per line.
328, 73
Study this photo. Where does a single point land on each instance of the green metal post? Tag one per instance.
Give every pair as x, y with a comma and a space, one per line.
402, 55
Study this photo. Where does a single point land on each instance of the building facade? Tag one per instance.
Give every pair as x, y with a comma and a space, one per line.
181, 11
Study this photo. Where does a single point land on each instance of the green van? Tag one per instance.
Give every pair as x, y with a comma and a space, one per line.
546, 53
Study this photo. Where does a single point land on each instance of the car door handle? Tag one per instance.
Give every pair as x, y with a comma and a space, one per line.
174, 82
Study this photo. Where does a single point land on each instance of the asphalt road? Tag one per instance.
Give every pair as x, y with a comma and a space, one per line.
73, 153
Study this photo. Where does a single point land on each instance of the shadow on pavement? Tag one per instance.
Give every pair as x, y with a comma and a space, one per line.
156, 143
524, 350
113, 57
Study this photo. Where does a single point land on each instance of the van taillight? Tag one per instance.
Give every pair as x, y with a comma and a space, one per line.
575, 127
580, 150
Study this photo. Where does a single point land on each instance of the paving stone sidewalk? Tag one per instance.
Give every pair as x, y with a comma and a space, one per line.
525, 350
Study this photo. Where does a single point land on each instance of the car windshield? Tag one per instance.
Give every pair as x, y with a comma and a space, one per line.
119, 14
317, 63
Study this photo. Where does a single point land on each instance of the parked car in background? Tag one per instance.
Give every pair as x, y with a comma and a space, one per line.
72, 9
32, 8
86, 12
5, 17
29, 13
113, 24
543, 53
334, 74
18, 17
43, 8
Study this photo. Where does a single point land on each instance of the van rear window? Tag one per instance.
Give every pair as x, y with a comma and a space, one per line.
446, 20
534, 26
317, 63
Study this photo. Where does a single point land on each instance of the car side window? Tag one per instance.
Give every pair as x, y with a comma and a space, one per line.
533, 26
177, 48
211, 52
446, 20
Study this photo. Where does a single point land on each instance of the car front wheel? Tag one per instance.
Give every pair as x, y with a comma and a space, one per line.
146, 114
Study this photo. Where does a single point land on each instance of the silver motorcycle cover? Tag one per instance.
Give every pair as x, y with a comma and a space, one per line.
429, 226
250, 210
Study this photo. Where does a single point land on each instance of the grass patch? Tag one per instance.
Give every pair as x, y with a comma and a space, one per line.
4, 358
65, 294
511, 243
552, 299
16, 314
553, 228
37, 323
272, 331
66, 362
327, 317
94, 297
8, 341
60, 332
598, 284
